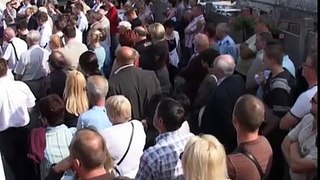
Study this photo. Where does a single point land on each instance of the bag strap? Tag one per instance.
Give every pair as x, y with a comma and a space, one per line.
15, 51
253, 159
125, 154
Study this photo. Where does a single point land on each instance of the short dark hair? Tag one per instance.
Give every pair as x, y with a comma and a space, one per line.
52, 108
249, 112
172, 113
57, 60
90, 156
60, 24
78, 5
199, 7
73, 19
184, 100
42, 16
69, 31
22, 25
210, 28
266, 37
274, 50
169, 23
209, 55
3, 67
88, 62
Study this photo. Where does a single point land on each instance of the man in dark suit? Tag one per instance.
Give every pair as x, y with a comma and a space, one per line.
217, 116
136, 84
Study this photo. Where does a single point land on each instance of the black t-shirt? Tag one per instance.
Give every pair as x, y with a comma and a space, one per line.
155, 56
278, 92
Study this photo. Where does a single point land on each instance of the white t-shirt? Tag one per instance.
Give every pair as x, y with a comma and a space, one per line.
302, 106
20, 46
16, 98
117, 140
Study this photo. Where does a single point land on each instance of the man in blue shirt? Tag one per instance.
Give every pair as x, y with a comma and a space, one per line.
226, 43
97, 89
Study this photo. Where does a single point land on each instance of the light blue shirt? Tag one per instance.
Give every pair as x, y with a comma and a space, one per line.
105, 45
101, 56
96, 117
227, 46
288, 64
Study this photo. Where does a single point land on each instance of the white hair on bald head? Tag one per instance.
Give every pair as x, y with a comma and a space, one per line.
225, 63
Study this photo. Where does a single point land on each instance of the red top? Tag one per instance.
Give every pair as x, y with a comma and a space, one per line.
112, 15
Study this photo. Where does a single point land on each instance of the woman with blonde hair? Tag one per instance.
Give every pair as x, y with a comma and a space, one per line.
75, 97
55, 42
94, 44
204, 158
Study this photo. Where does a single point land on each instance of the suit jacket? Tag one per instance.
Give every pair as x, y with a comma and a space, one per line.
217, 116
137, 85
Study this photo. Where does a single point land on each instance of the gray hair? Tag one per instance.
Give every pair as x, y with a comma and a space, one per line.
97, 87
33, 36
224, 63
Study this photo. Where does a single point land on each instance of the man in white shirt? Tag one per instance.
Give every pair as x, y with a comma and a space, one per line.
14, 48
302, 106
44, 29
33, 65
25, 5
15, 102
72, 49
82, 22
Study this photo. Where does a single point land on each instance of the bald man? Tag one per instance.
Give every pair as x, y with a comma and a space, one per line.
88, 157
217, 116
134, 83
201, 43
14, 47
225, 42
248, 116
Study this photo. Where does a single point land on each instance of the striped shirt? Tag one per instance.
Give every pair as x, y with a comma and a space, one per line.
57, 142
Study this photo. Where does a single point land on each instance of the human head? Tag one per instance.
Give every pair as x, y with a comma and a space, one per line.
3, 67
95, 17
97, 89
123, 25
59, 25
262, 24
88, 63
69, 31
210, 29
94, 36
262, 39
169, 26
127, 6
127, 38
52, 110
201, 42
22, 26
8, 34
55, 42
157, 32
310, 68
197, 10
57, 61
125, 55
33, 37
73, 19
118, 109
131, 14
74, 94
248, 114
223, 66
169, 115
222, 30
88, 152
273, 54
208, 56
78, 7
42, 18
314, 106
204, 158
140, 32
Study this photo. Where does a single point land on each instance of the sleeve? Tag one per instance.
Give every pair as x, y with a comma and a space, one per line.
280, 101
294, 133
145, 170
21, 65
231, 169
301, 107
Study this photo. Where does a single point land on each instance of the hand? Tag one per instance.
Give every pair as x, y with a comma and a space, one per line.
260, 78
63, 165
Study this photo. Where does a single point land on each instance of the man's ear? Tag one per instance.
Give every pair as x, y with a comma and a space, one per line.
76, 163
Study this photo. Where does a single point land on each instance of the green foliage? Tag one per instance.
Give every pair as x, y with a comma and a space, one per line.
242, 23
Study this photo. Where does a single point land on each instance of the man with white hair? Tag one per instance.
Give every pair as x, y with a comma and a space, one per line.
226, 43
124, 25
14, 47
33, 65
97, 89
200, 43
217, 116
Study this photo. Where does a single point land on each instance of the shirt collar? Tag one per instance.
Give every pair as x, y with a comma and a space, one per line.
122, 67
220, 81
169, 134
198, 17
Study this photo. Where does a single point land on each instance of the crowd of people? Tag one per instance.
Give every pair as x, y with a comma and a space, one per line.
86, 94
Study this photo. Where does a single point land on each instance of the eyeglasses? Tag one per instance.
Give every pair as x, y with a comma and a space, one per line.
314, 101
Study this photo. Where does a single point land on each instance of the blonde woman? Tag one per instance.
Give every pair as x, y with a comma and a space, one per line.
94, 39
75, 97
55, 42
204, 158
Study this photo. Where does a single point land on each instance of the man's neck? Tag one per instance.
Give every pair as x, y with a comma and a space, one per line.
94, 173
246, 137
101, 103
